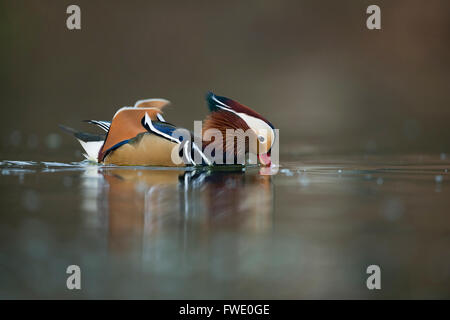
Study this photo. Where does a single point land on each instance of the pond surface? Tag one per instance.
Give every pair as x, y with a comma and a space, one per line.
308, 231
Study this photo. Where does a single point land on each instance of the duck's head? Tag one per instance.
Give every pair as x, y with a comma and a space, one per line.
230, 114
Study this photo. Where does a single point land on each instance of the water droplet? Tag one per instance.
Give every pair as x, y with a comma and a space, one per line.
393, 209
67, 181
443, 156
32, 141
380, 181
304, 181
31, 200
141, 187
287, 172
53, 141
15, 137
438, 178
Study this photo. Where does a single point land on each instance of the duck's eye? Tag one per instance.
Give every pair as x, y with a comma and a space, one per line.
261, 139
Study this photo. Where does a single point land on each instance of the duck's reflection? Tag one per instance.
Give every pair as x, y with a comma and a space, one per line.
144, 204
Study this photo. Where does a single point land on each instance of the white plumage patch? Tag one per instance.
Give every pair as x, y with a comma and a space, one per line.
258, 125
92, 149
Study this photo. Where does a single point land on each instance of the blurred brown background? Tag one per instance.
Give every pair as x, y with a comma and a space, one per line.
337, 91
312, 67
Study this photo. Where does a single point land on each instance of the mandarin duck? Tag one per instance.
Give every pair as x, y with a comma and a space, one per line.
140, 136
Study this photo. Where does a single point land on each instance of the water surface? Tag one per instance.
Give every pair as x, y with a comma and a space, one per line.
309, 231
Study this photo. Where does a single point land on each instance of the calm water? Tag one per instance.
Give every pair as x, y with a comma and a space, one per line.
309, 231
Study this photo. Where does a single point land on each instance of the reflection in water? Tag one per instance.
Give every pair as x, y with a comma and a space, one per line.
141, 204
153, 233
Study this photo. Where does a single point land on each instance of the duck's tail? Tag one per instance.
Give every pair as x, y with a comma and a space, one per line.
90, 142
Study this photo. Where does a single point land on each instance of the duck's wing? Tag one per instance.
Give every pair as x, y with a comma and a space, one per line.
157, 103
166, 131
91, 143
154, 146
125, 125
102, 124
183, 137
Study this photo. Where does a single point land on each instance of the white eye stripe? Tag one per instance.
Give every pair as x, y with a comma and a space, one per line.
251, 121
260, 126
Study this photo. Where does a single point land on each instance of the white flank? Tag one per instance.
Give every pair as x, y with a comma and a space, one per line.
92, 149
